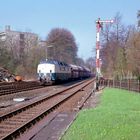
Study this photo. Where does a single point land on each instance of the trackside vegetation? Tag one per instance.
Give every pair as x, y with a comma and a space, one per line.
117, 117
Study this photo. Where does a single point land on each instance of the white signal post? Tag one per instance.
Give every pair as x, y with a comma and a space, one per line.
99, 24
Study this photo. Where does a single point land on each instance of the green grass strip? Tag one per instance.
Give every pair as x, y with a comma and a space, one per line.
117, 117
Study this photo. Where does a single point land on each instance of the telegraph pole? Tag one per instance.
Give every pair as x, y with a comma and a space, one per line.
99, 24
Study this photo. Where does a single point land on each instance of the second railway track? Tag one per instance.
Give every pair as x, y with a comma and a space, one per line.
15, 87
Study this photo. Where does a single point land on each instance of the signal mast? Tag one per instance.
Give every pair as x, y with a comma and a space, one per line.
99, 24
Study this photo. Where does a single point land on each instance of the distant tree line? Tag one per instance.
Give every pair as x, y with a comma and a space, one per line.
22, 59
120, 52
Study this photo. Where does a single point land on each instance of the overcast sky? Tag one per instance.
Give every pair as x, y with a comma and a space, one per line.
78, 16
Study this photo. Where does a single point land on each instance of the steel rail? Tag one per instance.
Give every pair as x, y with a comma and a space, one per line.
37, 116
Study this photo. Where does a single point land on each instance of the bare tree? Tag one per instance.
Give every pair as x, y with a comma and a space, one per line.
113, 52
64, 45
133, 51
138, 16
90, 63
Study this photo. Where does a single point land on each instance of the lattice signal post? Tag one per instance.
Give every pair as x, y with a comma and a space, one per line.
99, 24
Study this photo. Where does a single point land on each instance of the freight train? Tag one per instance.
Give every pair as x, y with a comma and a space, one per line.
52, 71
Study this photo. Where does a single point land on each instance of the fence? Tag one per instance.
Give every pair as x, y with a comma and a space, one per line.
132, 85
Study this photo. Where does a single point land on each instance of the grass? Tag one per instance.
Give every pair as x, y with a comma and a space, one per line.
116, 118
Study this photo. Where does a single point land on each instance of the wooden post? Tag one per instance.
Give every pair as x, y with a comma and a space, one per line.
108, 82
113, 83
139, 86
128, 84
120, 83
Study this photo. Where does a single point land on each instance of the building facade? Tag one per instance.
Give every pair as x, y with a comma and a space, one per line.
16, 38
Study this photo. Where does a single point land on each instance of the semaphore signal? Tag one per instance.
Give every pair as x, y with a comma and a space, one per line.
99, 24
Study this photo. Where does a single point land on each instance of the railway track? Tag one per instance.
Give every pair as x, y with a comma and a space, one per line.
17, 121
15, 87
